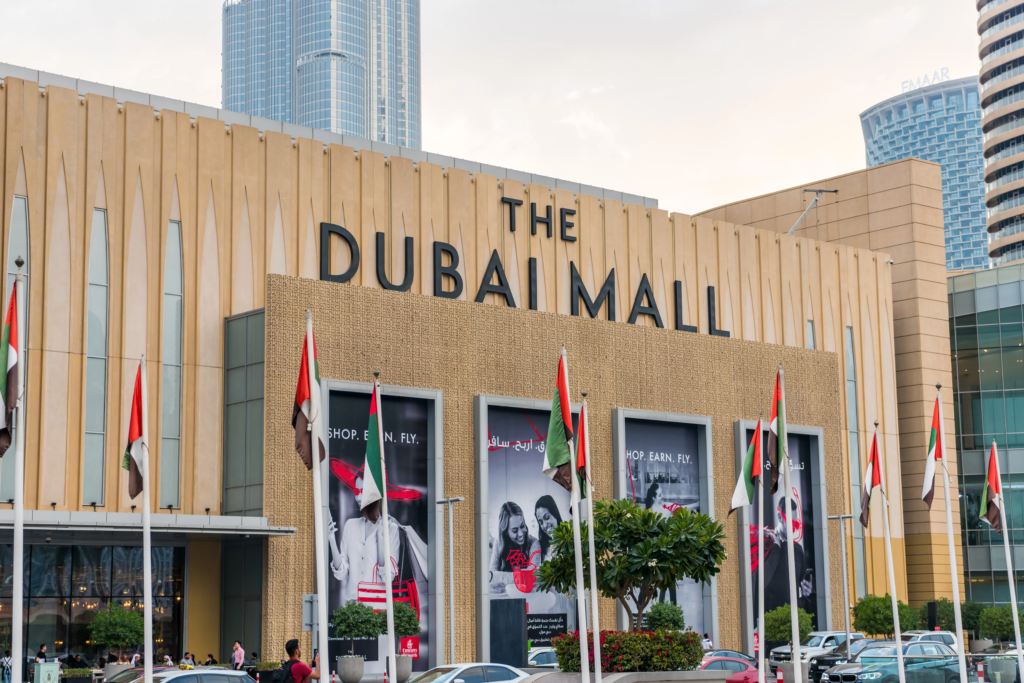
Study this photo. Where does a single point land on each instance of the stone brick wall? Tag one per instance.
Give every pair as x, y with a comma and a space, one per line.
465, 349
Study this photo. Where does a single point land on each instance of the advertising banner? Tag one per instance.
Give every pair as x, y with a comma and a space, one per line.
776, 560
524, 506
355, 539
663, 474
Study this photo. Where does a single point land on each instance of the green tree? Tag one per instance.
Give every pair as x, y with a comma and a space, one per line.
778, 625
947, 617
356, 620
970, 616
639, 553
665, 616
406, 622
997, 622
873, 615
115, 628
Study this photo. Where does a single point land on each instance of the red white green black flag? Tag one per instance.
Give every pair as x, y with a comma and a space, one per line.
777, 434
751, 468
992, 494
872, 478
936, 448
558, 446
582, 457
9, 380
373, 466
137, 437
306, 411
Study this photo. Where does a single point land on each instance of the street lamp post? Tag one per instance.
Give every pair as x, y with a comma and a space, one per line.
846, 598
451, 573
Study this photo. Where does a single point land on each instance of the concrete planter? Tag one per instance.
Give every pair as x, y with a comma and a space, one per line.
350, 669
786, 669
111, 669
1005, 668
403, 667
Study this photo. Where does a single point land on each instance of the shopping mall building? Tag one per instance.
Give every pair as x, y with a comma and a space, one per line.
200, 238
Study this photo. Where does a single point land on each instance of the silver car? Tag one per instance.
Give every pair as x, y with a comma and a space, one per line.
474, 672
199, 674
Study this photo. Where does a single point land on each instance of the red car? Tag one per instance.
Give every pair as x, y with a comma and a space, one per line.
740, 671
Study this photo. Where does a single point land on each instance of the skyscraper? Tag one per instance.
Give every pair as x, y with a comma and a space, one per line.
1001, 51
347, 66
940, 122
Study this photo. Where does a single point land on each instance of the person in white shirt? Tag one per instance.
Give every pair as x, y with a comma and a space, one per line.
7, 663
706, 643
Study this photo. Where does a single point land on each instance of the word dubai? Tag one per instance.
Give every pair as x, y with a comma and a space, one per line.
494, 280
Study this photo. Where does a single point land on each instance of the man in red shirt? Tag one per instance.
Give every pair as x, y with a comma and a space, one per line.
299, 671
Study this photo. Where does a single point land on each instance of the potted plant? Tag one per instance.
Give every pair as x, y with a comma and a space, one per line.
116, 629
407, 624
351, 621
997, 622
778, 626
665, 616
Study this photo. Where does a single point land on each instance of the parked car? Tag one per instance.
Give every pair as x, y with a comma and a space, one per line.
818, 667
877, 664
817, 643
729, 653
543, 657
947, 638
741, 670
165, 674
473, 672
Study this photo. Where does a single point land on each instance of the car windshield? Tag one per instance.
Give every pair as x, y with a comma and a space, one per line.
125, 676
867, 653
814, 641
858, 645
437, 674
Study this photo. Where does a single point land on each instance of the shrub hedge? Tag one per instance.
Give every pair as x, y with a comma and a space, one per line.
634, 651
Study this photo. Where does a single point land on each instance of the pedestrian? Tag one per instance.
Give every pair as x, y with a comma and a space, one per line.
237, 655
41, 655
706, 644
211, 660
188, 660
299, 672
7, 663
168, 661
253, 658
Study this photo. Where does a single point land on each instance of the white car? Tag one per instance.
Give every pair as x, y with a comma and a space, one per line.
947, 638
210, 674
542, 657
817, 644
474, 672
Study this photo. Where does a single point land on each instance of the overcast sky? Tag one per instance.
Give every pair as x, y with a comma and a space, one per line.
695, 102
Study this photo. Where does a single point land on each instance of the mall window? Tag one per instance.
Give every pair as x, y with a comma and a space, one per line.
243, 414
241, 593
810, 334
65, 586
96, 364
170, 425
18, 246
853, 425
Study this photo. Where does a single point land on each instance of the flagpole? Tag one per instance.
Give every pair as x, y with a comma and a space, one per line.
17, 613
595, 616
387, 534
949, 536
892, 576
760, 560
1009, 562
320, 554
794, 615
147, 550
581, 598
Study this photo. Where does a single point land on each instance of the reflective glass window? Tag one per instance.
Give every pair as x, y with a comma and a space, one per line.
170, 403
17, 246
96, 364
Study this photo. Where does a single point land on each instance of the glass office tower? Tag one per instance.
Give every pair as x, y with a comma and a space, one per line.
986, 332
940, 123
347, 66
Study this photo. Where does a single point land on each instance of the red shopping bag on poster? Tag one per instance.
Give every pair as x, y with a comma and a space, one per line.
374, 593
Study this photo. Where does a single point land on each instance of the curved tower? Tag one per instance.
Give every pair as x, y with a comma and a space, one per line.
1001, 30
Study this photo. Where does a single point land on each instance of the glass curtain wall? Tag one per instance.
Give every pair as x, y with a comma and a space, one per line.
170, 425
243, 414
853, 425
96, 364
67, 585
987, 343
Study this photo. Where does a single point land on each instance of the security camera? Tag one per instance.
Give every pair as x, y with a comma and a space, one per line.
890, 262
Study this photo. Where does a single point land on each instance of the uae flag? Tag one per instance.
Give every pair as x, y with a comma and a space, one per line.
743, 496
137, 446
992, 494
777, 432
306, 411
582, 457
373, 467
558, 447
872, 478
9, 381
936, 446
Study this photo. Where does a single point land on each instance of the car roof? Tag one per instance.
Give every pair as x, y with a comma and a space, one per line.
731, 659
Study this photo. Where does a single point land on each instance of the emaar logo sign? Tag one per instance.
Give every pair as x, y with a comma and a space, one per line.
940, 76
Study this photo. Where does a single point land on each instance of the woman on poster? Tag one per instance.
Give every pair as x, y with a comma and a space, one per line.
548, 517
515, 548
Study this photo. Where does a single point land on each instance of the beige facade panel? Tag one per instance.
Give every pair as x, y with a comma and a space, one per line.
896, 208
